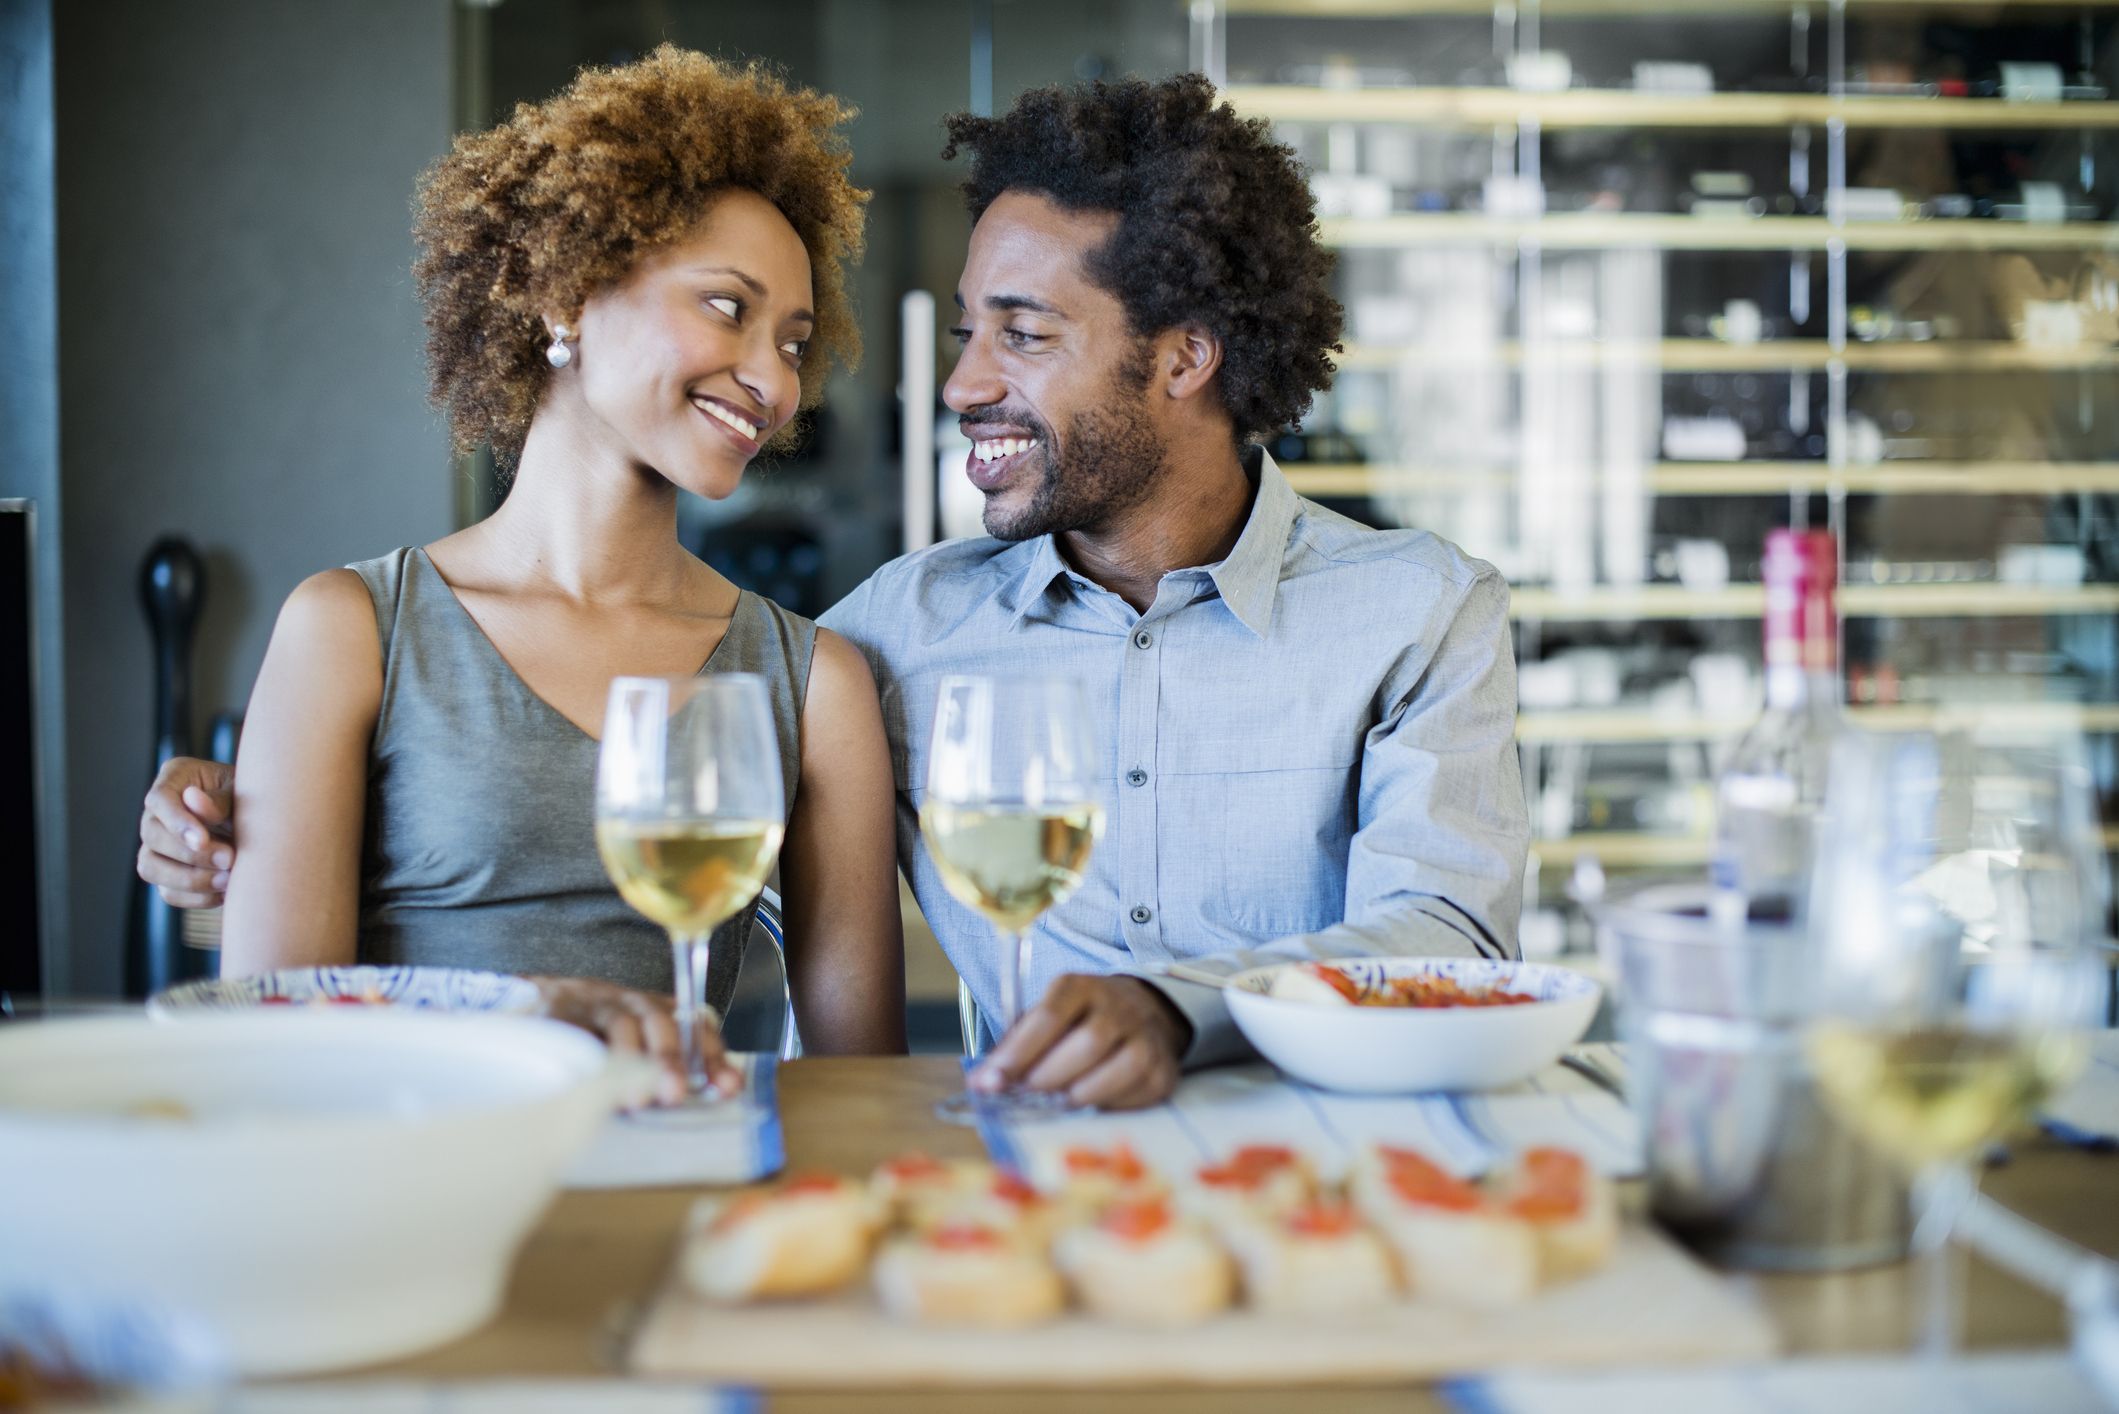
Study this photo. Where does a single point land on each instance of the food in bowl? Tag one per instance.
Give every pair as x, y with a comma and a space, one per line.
1322, 984
343, 1187
1405, 1048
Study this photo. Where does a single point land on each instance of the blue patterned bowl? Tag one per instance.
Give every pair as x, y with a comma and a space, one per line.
416, 988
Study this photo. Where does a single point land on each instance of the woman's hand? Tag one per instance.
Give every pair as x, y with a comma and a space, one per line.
637, 1023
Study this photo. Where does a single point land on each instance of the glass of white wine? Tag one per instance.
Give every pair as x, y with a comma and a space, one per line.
1010, 817
689, 815
1958, 908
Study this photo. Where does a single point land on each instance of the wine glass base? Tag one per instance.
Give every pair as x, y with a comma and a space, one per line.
705, 1108
1015, 1106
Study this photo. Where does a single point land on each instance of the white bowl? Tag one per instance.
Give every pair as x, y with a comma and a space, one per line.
417, 988
341, 1187
1397, 1050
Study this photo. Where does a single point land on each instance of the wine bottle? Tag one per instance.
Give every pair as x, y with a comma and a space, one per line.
1767, 797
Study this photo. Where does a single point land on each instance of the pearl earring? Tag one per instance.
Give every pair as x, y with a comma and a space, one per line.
559, 355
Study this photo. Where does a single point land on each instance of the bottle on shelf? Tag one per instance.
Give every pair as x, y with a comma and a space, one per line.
1767, 797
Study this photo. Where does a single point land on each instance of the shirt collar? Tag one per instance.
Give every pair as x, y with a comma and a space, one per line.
1248, 579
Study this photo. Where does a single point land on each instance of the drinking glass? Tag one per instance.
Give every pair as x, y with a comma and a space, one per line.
1010, 817
689, 815
1958, 907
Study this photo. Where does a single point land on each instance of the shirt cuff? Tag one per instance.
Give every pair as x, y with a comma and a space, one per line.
1215, 1038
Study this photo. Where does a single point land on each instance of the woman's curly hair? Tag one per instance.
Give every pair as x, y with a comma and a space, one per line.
1216, 225
566, 197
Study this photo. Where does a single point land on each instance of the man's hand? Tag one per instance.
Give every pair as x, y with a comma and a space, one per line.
186, 831
637, 1023
1107, 1041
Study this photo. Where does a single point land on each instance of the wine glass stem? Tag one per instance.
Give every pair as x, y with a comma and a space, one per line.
1945, 1189
1015, 978
688, 958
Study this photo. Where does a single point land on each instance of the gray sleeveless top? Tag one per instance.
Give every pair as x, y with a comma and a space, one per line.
481, 839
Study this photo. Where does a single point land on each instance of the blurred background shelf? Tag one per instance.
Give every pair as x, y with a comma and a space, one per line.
1408, 9
1615, 849
1598, 231
1607, 334
1733, 478
1748, 601
1646, 725
1473, 108
1718, 356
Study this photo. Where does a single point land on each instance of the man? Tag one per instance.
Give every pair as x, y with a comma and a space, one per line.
1310, 723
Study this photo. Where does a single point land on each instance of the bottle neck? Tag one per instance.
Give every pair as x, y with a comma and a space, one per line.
1792, 688
1802, 648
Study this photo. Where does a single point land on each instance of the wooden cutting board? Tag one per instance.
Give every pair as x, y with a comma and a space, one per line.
1652, 1305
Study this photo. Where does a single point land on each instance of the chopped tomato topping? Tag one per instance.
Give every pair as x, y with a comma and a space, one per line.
1008, 1186
915, 1168
811, 1183
1418, 990
1552, 1186
963, 1237
1322, 1219
1119, 1162
736, 1210
1418, 1179
1248, 1167
1338, 981
1136, 1222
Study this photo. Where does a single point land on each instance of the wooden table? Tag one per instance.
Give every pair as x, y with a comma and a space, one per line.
597, 1253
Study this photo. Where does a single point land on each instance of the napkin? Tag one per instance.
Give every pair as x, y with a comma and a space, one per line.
2087, 1112
1968, 1384
1213, 1112
736, 1140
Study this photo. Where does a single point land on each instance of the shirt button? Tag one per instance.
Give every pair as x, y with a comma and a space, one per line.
1136, 777
1141, 915
1143, 639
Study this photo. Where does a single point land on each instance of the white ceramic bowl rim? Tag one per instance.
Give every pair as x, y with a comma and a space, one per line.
1544, 981
564, 1057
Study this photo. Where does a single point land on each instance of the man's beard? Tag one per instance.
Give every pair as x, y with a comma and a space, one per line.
1108, 463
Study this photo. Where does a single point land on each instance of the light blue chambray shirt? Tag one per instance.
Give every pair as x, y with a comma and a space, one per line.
1309, 747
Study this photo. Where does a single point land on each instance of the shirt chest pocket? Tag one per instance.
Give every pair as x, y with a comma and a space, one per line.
1284, 823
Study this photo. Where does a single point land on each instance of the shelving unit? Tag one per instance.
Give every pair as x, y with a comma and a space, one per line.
1597, 231
1515, 371
1764, 356
1738, 478
1476, 108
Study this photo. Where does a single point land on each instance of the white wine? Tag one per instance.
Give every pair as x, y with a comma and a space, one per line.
1934, 1093
688, 875
1011, 863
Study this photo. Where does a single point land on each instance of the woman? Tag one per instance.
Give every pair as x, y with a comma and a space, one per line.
630, 290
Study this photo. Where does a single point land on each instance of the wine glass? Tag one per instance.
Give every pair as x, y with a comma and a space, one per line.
689, 816
1010, 817
1958, 907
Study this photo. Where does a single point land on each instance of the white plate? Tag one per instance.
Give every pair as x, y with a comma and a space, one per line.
1399, 1050
416, 988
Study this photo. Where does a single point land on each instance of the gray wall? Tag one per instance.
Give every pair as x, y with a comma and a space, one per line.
29, 407
240, 360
